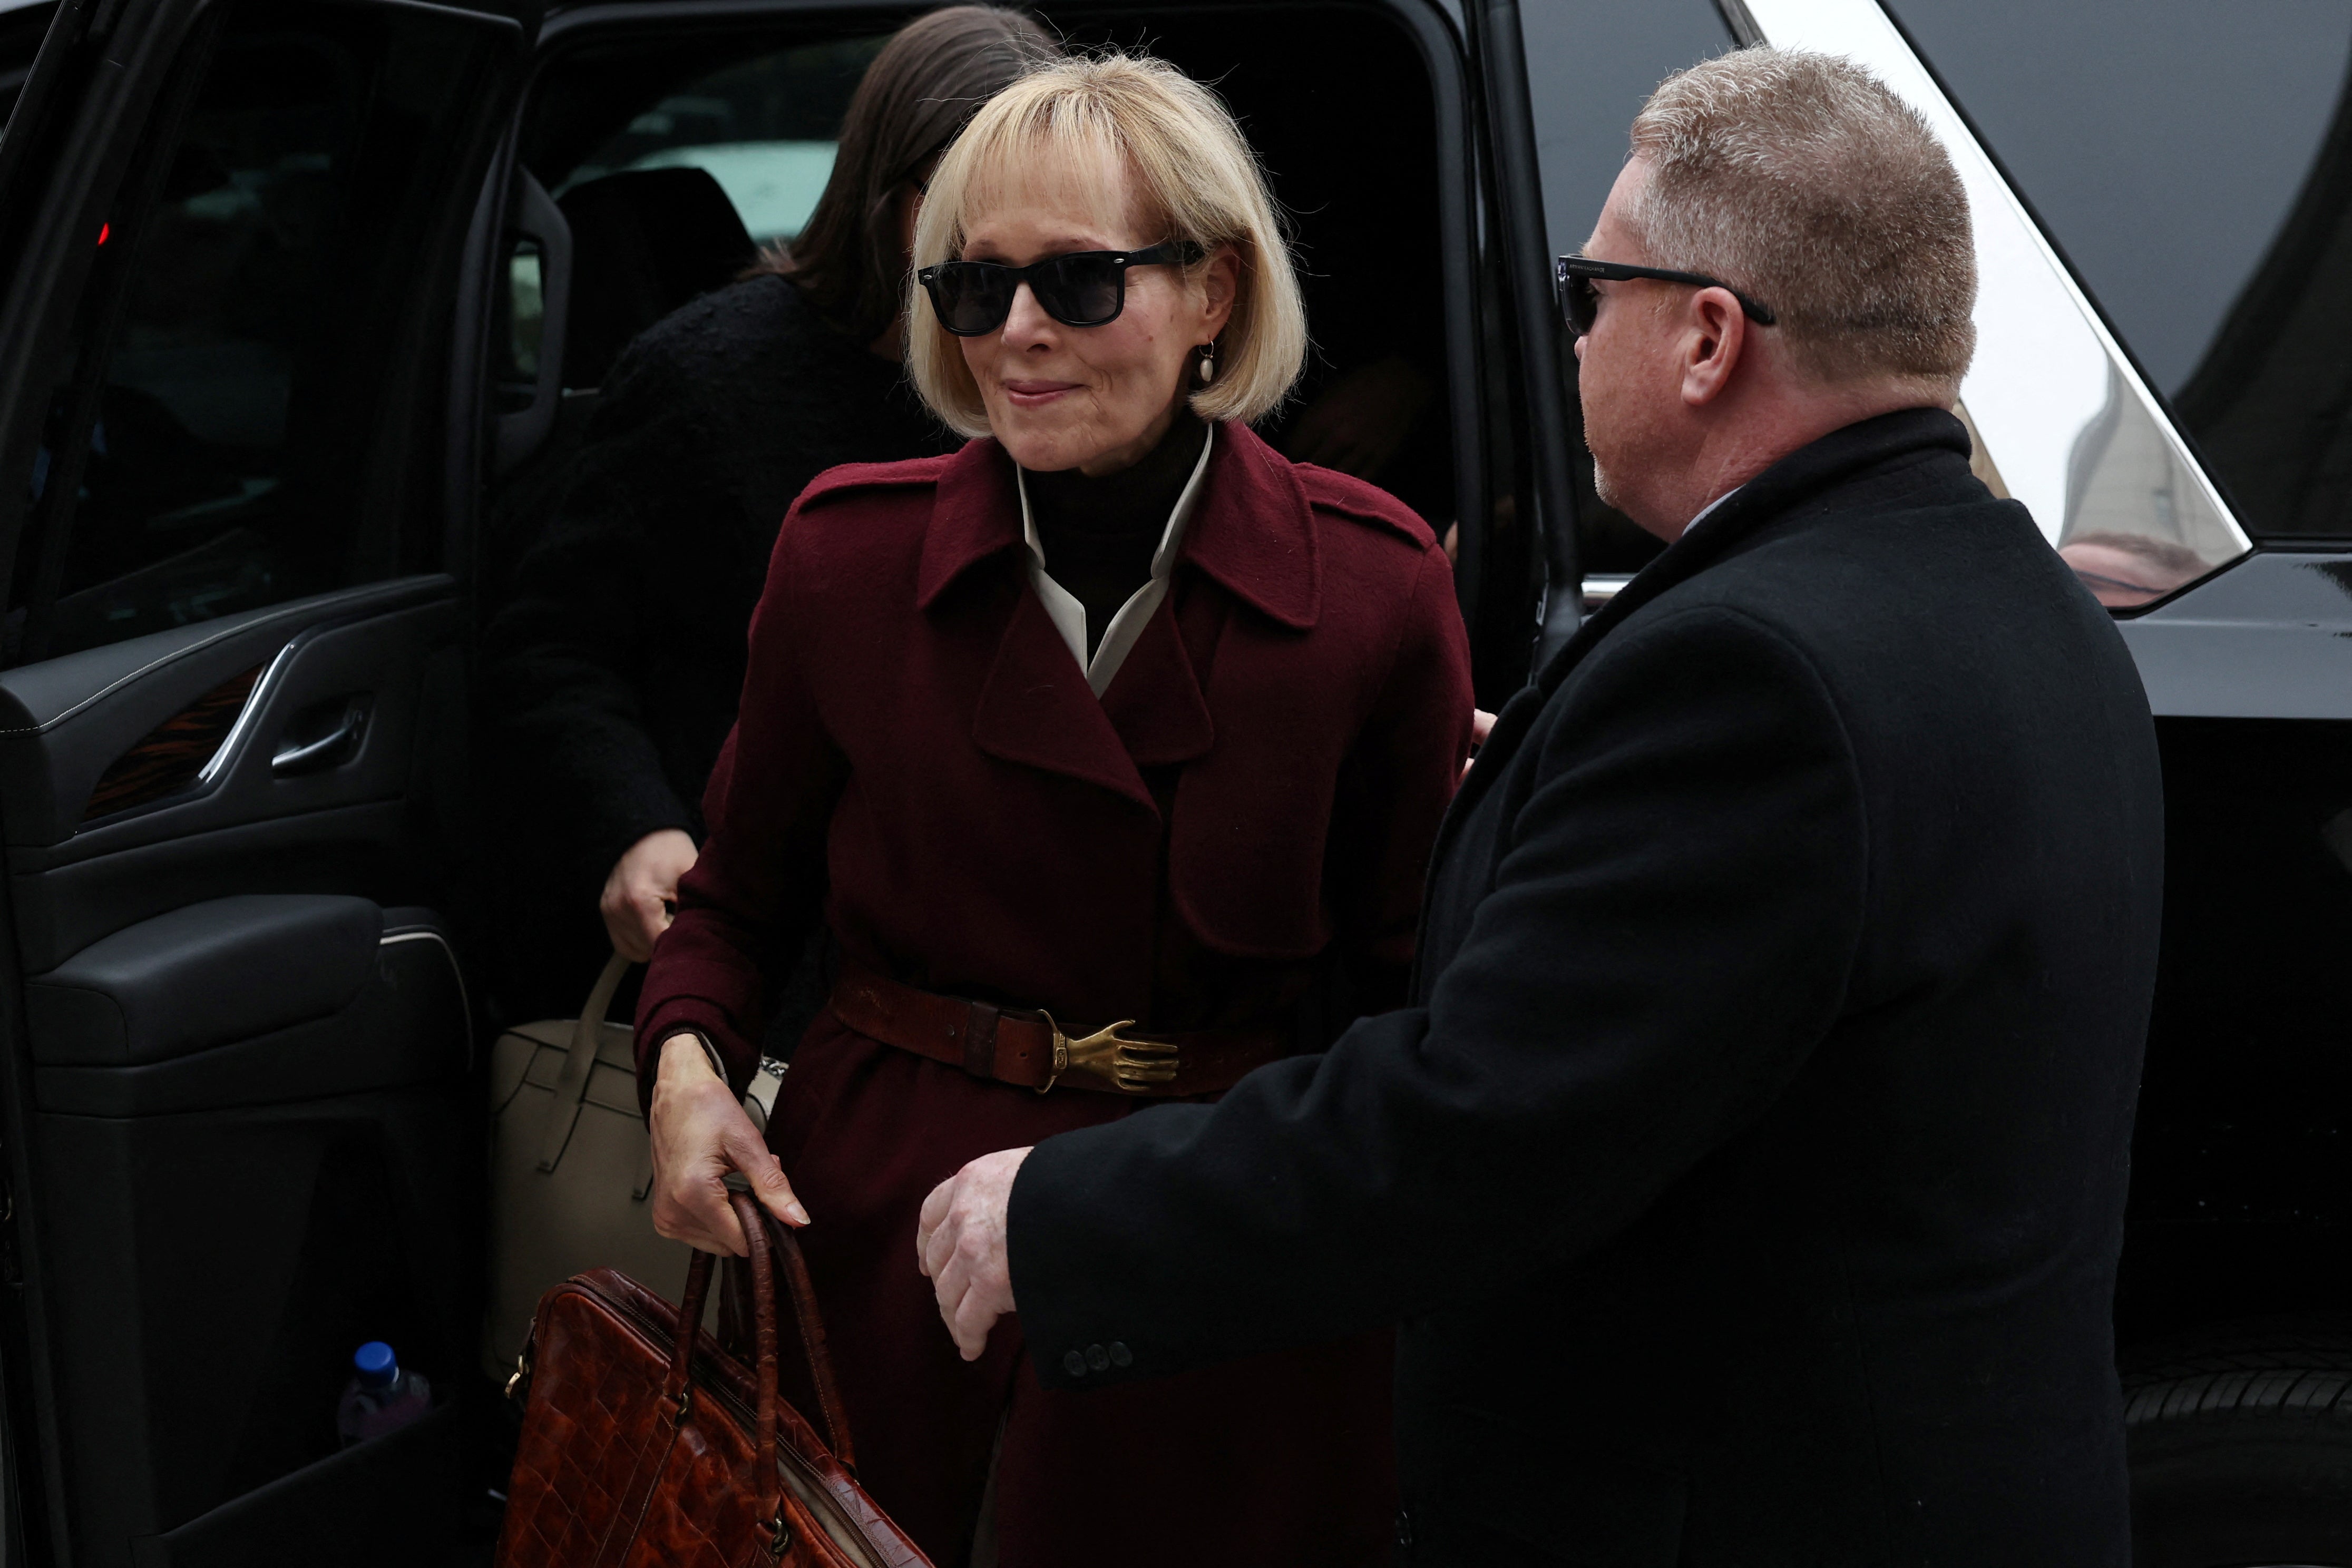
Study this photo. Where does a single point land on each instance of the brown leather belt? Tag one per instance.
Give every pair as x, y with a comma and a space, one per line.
1028, 1049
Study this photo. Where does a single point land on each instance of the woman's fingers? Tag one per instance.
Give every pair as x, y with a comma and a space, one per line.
748, 1154
700, 1134
696, 1213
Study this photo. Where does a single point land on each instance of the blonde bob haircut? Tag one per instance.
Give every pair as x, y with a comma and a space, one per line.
1136, 136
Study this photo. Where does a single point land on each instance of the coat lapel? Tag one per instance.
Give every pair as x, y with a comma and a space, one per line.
1037, 710
975, 514
1252, 531
1155, 701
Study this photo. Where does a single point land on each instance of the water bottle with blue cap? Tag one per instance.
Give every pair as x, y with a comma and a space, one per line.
382, 1397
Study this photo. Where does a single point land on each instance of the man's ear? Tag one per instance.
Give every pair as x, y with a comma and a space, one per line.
1714, 341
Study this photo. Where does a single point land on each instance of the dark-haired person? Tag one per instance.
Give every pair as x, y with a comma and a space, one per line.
613, 672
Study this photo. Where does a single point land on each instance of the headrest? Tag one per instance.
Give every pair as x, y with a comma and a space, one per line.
643, 242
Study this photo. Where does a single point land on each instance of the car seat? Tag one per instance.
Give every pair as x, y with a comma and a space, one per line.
643, 242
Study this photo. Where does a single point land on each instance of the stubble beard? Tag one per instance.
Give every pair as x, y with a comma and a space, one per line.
1604, 486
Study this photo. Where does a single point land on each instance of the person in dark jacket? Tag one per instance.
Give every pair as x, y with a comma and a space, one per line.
1747, 1177
614, 671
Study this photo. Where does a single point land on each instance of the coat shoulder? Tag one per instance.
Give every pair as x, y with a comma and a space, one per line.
859, 517
1337, 495
844, 484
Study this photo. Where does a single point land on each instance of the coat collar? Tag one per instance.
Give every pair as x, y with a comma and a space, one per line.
1801, 476
1251, 531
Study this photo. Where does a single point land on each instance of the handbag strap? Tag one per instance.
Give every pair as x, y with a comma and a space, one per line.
770, 1240
813, 1348
763, 1290
572, 1088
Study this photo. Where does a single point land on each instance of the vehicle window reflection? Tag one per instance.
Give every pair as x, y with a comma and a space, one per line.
2056, 407
2195, 161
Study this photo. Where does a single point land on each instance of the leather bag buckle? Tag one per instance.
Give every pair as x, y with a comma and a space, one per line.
1130, 1066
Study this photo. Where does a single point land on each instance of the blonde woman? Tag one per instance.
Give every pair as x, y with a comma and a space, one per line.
1112, 747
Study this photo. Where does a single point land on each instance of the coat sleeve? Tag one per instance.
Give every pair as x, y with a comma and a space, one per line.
564, 661
1675, 904
757, 891
1394, 786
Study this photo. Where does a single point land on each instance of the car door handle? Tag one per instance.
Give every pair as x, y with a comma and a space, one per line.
329, 749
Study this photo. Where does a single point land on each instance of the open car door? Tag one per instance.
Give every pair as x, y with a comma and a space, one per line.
234, 1097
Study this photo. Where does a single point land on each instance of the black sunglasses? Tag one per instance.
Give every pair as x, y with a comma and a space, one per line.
1084, 289
1580, 302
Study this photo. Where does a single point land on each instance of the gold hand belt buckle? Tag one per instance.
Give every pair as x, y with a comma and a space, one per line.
1130, 1066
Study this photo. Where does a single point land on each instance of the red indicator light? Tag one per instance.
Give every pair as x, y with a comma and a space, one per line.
103, 230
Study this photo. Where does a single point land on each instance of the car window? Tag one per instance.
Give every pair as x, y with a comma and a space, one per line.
1590, 69
227, 434
2194, 161
2063, 421
22, 22
764, 129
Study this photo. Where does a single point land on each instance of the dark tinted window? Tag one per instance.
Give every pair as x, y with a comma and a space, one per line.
1590, 69
2194, 161
249, 359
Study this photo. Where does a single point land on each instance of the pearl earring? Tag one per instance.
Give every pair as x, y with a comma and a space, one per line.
1208, 363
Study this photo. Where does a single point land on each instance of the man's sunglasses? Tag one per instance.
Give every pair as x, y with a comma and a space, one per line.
1580, 302
1084, 289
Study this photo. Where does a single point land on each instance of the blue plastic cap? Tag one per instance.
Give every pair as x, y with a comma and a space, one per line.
375, 1363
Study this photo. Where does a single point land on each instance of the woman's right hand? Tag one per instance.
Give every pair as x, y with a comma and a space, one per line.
701, 1133
640, 889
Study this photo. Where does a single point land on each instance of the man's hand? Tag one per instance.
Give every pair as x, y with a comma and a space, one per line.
637, 894
959, 1241
701, 1133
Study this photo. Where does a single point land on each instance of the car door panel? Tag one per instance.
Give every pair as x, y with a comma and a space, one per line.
200, 976
242, 1047
243, 1132
74, 882
250, 1000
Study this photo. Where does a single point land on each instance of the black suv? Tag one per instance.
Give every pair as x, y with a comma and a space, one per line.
307, 299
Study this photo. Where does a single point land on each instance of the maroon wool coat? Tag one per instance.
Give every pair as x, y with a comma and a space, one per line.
917, 757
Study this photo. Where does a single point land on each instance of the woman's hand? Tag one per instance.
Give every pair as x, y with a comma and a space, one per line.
701, 1133
637, 894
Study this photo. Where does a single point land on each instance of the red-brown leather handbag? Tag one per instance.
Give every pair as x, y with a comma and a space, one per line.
644, 1446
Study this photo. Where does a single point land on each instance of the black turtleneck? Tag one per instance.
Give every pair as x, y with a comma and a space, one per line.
1099, 534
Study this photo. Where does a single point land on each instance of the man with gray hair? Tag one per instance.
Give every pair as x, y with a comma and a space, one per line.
1747, 1178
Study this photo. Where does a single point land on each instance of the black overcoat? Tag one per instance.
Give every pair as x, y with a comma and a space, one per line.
1748, 1177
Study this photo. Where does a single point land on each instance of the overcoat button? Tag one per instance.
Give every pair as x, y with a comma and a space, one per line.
1405, 1530
1074, 1364
1097, 1357
1119, 1355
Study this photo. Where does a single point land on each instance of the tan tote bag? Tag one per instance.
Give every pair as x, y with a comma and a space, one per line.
572, 1166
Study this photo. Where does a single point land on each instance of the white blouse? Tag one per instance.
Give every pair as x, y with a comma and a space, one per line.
1069, 616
